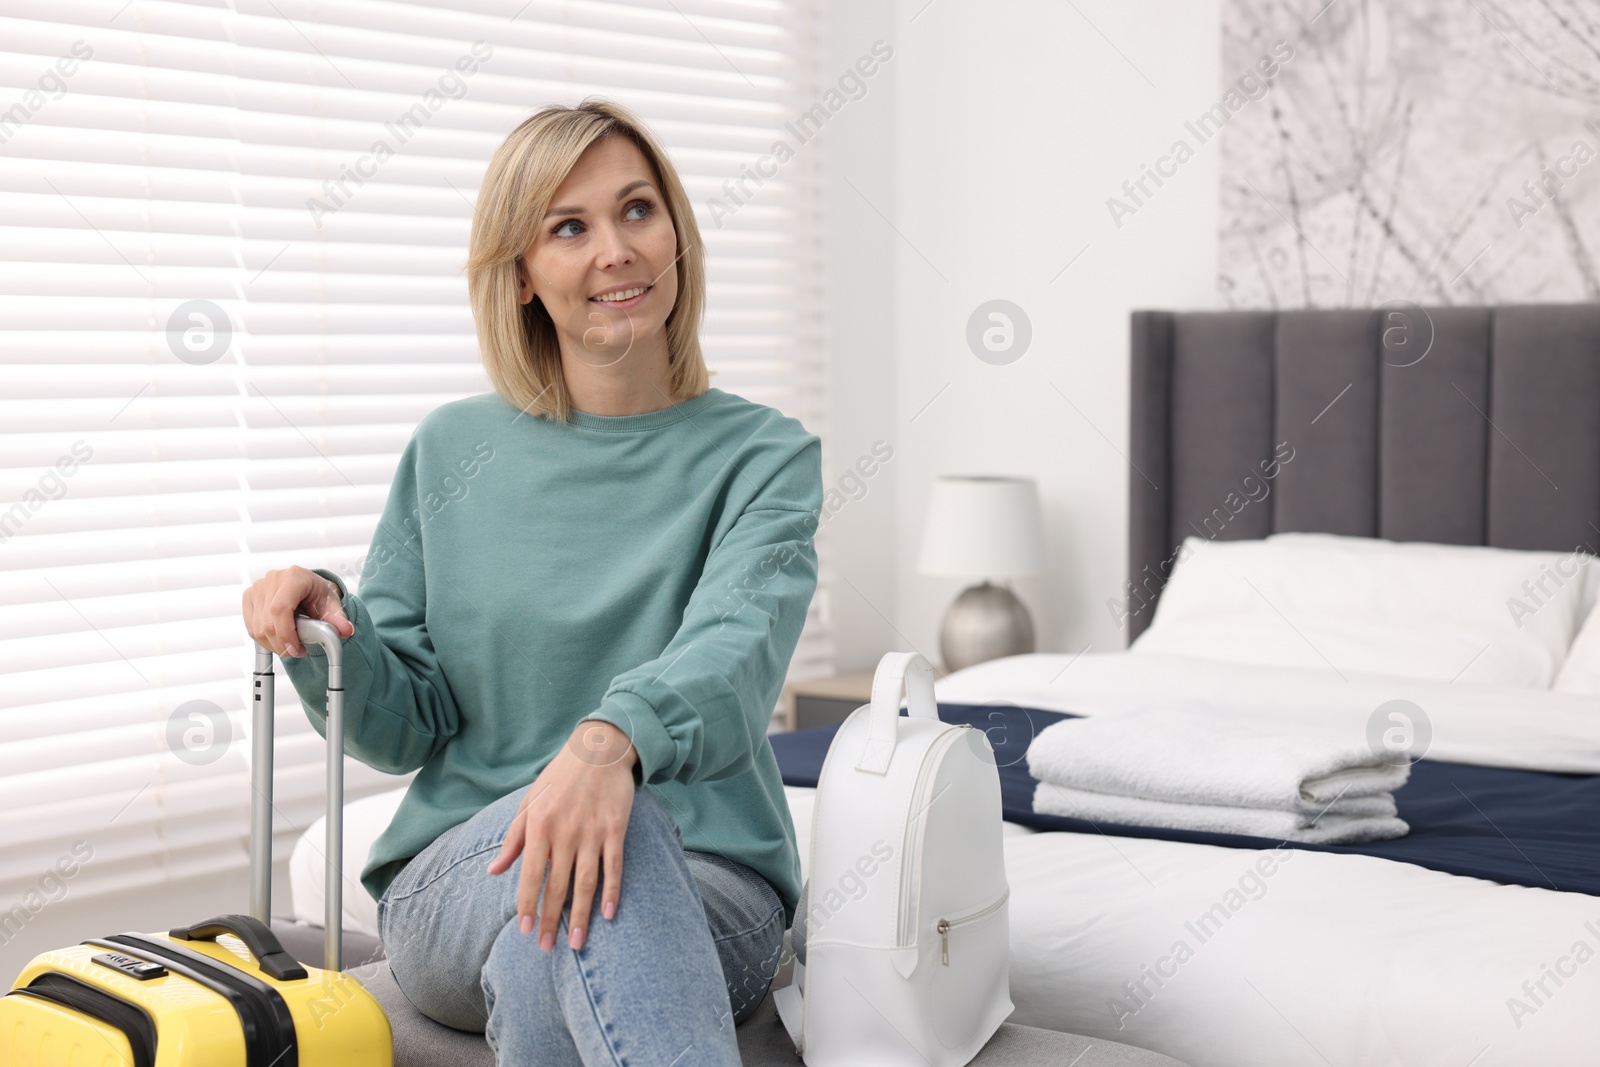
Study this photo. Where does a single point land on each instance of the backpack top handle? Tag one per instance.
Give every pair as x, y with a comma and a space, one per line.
894, 669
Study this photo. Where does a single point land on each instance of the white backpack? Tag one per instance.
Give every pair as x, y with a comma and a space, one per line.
906, 938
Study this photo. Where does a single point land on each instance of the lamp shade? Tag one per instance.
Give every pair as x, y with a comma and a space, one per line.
983, 526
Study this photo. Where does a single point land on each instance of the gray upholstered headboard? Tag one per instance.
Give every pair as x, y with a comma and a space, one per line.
1247, 423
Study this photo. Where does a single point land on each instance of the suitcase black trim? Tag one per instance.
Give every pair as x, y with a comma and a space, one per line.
269, 1033
70, 991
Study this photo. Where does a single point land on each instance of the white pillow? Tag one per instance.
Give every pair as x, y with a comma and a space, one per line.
1580, 672
1444, 612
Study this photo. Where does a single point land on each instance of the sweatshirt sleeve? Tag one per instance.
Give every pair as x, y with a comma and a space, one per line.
399, 710
700, 710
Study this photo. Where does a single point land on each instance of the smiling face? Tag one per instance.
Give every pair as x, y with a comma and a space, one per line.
608, 233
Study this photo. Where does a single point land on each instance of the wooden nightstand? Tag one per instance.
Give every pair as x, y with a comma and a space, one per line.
825, 701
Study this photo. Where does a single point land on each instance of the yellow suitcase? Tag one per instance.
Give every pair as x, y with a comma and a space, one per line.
223, 992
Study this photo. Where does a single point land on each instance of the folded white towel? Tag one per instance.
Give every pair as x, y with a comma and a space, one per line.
1329, 829
1192, 753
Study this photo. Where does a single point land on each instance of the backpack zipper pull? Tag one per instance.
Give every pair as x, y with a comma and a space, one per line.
944, 941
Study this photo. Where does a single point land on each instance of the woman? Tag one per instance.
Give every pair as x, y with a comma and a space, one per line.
592, 580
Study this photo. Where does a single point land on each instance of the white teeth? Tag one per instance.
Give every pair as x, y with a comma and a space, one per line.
626, 294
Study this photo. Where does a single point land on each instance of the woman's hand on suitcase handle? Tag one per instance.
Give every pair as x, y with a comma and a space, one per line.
575, 815
271, 604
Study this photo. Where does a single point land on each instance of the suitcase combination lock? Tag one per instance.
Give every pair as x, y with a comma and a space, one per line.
143, 970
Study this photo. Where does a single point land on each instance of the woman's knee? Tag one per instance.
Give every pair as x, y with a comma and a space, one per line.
435, 960
650, 815
441, 914
745, 916
452, 926
516, 969
750, 964
446, 994
526, 1021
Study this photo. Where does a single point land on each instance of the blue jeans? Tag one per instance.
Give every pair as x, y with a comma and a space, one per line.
690, 954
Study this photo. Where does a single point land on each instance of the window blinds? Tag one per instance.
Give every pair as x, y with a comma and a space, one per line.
222, 312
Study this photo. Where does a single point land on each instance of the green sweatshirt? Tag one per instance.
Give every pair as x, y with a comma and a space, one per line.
649, 570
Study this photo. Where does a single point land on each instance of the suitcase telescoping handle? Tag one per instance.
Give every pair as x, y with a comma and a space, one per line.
311, 632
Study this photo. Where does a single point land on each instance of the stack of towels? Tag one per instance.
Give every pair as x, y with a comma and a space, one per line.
1191, 768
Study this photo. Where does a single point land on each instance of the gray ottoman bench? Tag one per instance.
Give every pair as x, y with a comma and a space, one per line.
763, 1041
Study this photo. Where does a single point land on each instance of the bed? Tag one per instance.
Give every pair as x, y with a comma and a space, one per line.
1443, 426
1476, 426
1332, 957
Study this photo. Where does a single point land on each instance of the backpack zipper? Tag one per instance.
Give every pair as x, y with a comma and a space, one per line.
983, 913
912, 839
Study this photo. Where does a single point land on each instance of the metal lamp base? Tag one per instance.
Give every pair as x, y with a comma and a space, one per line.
985, 622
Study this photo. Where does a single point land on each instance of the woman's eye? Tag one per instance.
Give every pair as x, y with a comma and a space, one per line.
645, 205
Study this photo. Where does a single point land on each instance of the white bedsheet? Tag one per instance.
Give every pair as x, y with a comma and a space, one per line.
1329, 959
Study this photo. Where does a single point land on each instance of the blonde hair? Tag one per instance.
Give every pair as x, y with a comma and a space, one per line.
518, 342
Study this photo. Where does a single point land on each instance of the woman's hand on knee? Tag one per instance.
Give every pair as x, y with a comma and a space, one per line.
575, 816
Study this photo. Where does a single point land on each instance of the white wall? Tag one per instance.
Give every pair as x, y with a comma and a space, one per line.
1011, 125
857, 542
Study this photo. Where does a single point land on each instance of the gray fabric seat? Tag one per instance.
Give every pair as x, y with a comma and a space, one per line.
763, 1041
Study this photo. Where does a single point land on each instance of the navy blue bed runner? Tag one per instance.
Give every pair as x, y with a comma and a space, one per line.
1519, 827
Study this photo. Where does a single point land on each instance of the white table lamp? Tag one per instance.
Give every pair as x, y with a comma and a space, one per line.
983, 526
